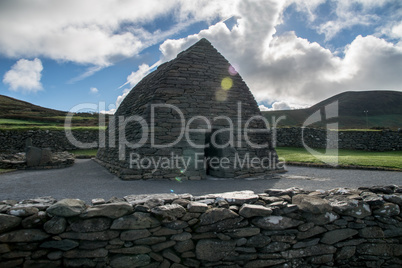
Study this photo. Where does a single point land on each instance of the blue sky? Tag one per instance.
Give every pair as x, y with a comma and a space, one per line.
294, 53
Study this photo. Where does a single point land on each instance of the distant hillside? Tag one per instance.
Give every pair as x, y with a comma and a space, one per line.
18, 111
384, 110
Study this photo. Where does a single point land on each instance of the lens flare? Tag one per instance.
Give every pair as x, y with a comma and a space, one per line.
226, 83
178, 179
232, 71
221, 95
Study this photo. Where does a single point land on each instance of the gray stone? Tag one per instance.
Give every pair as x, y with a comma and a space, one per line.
306, 243
249, 210
103, 236
233, 198
311, 232
91, 225
132, 250
163, 245
258, 241
8, 222
214, 215
170, 255
222, 225
149, 240
310, 251
311, 204
214, 250
55, 225
134, 234
24, 235
65, 244
275, 247
138, 220
387, 209
244, 232
21, 211
280, 192
77, 253
94, 244
345, 253
67, 208
124, 261
371, 232
321, 219
78, 263
184, 246
337, 235
181, 237
112, 210
275, 222
376, 249
197, 207
169, 212
165, 231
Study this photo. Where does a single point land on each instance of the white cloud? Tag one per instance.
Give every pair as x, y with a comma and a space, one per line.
291, 68
93, 90
263, 108
25, 76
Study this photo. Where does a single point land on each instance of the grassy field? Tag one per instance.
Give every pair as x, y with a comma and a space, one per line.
391, 159
89, 152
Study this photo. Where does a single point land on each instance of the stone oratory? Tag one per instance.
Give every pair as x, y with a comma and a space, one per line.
194, 116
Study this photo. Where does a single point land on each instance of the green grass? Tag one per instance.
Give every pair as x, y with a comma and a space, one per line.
89, 152
18, 122
22, 127
391, 159
2, 170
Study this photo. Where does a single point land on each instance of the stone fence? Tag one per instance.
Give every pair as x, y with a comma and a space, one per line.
355, 140
281, 228
14, 141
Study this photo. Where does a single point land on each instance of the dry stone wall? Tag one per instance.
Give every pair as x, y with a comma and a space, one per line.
14, 141
355, 140
281, 228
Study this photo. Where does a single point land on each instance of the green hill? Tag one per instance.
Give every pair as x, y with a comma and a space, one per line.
384, 110
15, 112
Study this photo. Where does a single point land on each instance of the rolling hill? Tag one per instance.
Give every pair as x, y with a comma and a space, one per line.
384, 110
17, 112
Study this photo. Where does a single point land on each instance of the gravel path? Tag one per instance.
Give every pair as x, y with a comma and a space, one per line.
87, 180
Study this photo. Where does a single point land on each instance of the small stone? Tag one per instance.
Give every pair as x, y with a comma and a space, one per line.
98, 201
184, 246
67, 208
311, 232
345, 253
111, 210
249, 210
65, 244
258, 241
275, 247
310, 251
197, 207
263, 263
214, 215
34, 221
169, 212
103, 236
8, 222
131, 250
134, 234
181, 237
169, 254
163, 245
244, 232
55, 225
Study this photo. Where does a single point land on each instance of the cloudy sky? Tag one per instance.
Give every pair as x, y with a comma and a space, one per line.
291, 53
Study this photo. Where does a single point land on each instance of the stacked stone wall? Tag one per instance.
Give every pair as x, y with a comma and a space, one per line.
281, 228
